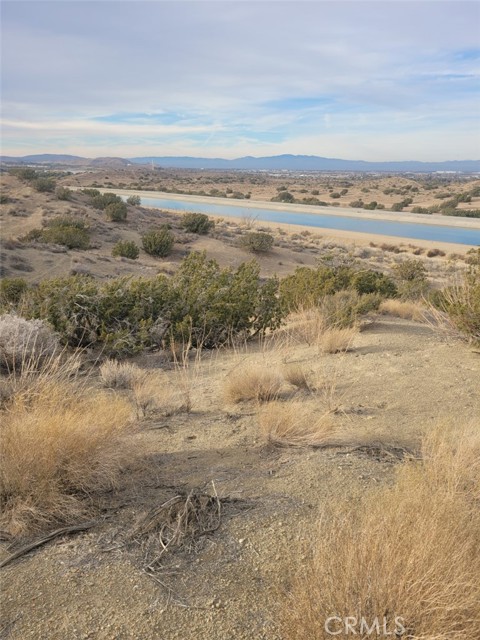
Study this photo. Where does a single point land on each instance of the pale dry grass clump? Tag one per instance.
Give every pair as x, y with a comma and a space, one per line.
410, 550
296, 375
402, 309
154, 394
252, 382
336, 340
120, 375
60, 443
293, 424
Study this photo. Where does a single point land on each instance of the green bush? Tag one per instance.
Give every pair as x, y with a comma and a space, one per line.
68, 236
412, 277
158, 242
11, 290
307, 287
134, 201
63, 193
201, 304
24, 173
197, 223
65, 230
116, 211
101, 201
257, 242
44, 185
126, 249
283, 196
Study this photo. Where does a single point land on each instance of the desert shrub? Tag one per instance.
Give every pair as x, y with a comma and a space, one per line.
25, 342
158, 242
126, 249
257, 242
473, 256
307, 287
134, 201
283, 196
66, 235
432, 253
371, 206
412, 277
63, 193
252, 382
296, 375
4, 199
116, 211
202, 304
90, 192
408, 550
197, 223
11, 290
44, 185
101, 201
59, 445
356, 204
24, 173
461, 303
218, 305
120, 375
64, 230
344, 308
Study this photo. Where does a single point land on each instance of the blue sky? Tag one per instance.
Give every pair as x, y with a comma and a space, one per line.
377, 80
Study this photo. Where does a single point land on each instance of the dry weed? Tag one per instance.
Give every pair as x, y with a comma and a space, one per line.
402, 309
408, 551
252, 382
120, 375
335, 340
296, 375
294, 424
59, 442
154, 394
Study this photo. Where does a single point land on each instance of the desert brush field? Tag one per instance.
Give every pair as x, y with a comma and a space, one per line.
220, 429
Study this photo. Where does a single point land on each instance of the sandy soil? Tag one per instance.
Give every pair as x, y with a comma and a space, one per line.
400, 378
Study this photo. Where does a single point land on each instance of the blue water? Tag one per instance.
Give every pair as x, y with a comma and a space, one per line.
420, 231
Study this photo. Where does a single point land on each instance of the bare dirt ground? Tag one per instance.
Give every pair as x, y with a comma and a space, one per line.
399, 378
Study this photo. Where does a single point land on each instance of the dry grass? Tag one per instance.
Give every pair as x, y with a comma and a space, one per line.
294, 424
401, 309
335, 340
410, 550
120, 375
252, 382
296, 375
60, 443
154, 394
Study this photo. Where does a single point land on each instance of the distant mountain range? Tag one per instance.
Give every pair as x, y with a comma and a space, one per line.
285, 162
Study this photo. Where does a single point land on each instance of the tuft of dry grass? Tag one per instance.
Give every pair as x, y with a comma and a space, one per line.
296, 375
120, 375
336, 340
60, 443
252, 382
154, 395
409, 550
402, 309
294, 424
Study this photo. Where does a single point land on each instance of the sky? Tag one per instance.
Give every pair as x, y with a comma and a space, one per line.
371, 80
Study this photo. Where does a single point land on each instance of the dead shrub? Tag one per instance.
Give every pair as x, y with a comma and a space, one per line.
252, 382
154, 394
409, 550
